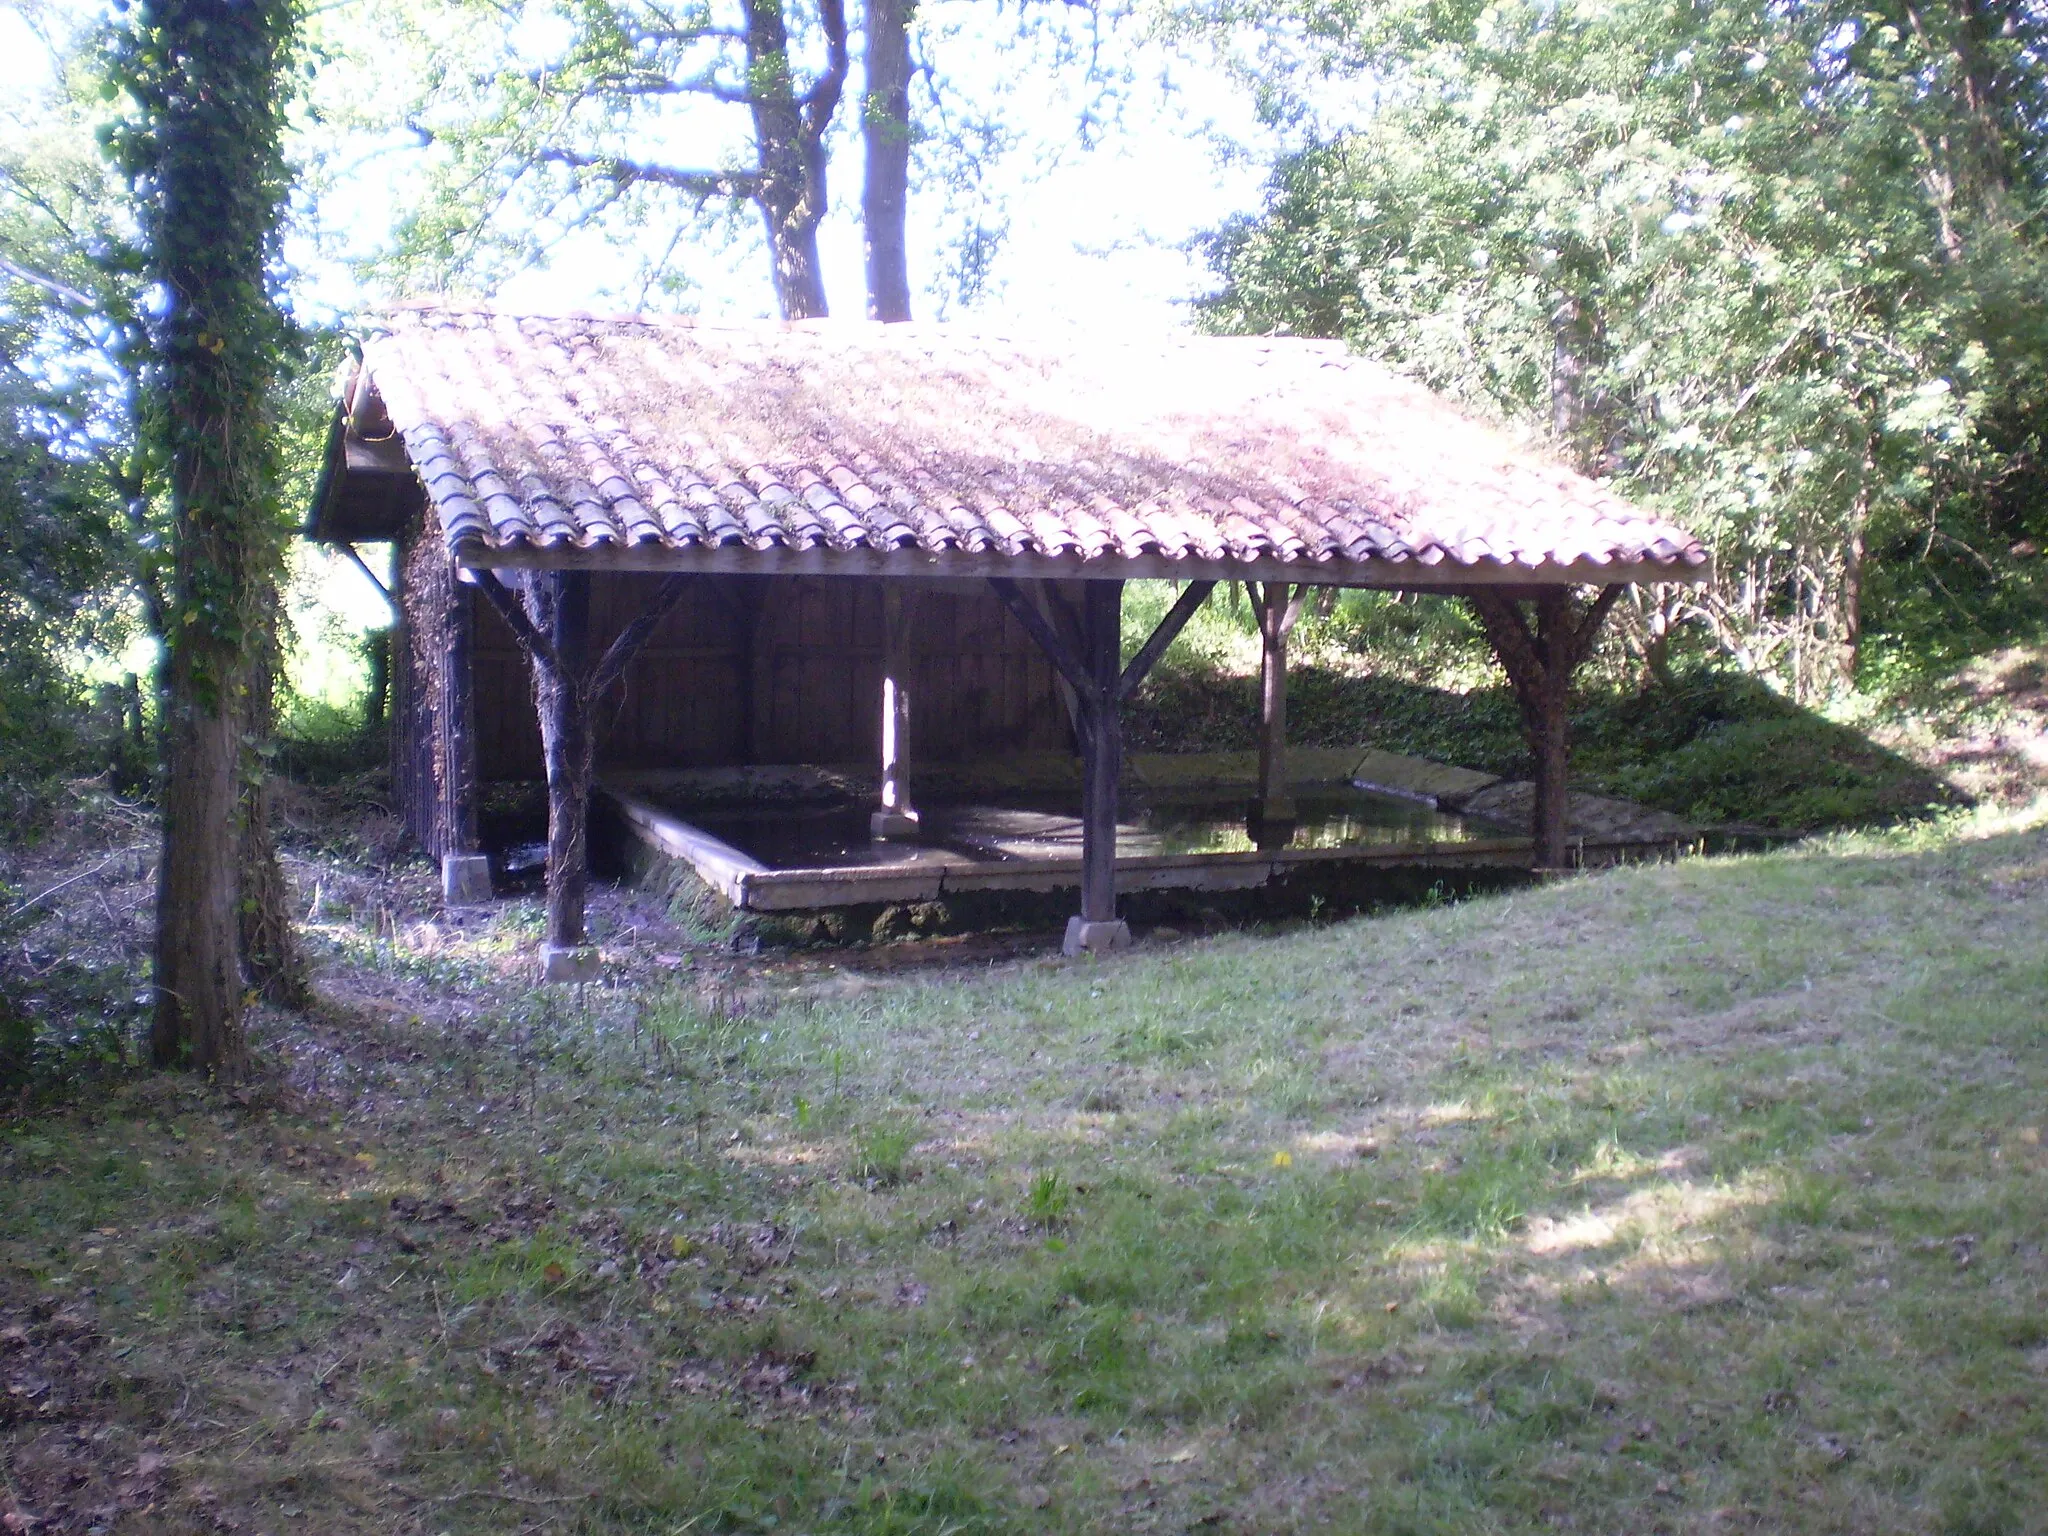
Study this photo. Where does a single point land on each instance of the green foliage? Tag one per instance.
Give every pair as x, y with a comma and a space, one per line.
1048, 1199
63, 544
17, 1045
1767, 267
881, 1152
1713, 744
54, 546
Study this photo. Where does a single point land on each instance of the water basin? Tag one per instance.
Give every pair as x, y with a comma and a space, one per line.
1047, 826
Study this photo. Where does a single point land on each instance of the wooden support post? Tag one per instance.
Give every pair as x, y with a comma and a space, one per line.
1090, 658
895, 817
1550, 819
465, 871
560, 605
1270, 820
1102, 761
551, 619
1539, 660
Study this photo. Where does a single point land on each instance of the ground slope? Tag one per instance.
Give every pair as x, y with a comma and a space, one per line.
1694, 1197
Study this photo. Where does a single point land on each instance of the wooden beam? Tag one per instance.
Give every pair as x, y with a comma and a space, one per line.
550, 618
465, 870
1169, 629
370, 576
561, 610
1096, 673
539, 649
895, 816
1039, 628
626, 644
459, 723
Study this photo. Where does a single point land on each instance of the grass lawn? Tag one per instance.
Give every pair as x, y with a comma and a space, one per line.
1700, 1197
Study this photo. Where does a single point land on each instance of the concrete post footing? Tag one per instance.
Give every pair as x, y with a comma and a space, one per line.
570, 962
893, 826
1086, 938
465, 879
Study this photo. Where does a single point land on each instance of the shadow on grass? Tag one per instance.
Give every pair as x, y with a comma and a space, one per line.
1713, 746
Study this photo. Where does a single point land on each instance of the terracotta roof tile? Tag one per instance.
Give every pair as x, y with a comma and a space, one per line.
537, 433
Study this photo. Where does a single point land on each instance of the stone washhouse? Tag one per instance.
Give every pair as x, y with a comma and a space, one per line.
630, 548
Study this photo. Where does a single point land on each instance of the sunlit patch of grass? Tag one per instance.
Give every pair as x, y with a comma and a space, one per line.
542, 1266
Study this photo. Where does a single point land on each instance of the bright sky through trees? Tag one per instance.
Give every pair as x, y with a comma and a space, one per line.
1095, 237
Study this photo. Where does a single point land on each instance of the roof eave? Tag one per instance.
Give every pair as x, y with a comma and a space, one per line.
917, 564
367, 491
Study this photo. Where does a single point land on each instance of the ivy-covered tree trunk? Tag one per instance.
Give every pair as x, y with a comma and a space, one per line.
202, 152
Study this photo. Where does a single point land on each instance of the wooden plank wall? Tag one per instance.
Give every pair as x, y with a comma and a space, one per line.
784, 670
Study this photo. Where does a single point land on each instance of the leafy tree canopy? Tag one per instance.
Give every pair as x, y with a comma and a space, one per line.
1772, 268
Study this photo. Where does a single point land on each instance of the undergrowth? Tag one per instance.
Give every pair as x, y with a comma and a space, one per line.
1713, 746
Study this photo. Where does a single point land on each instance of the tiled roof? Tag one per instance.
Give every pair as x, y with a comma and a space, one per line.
534, 435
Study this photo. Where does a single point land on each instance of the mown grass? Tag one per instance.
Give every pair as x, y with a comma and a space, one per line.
1684, 1198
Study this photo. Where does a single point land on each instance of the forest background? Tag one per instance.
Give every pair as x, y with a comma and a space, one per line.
1774, 271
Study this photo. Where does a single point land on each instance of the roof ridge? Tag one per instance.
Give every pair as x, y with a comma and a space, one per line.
477, 309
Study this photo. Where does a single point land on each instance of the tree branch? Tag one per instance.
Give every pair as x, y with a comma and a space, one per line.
1507, 631
822, 99
50, 285
1176, 619
1586, 633
624, 172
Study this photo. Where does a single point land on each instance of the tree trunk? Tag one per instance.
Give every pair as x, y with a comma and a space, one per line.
1849, 612
1569, 345
271, 956
789, 134
1970, 165
885, 131
198, 1017
1849, 639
